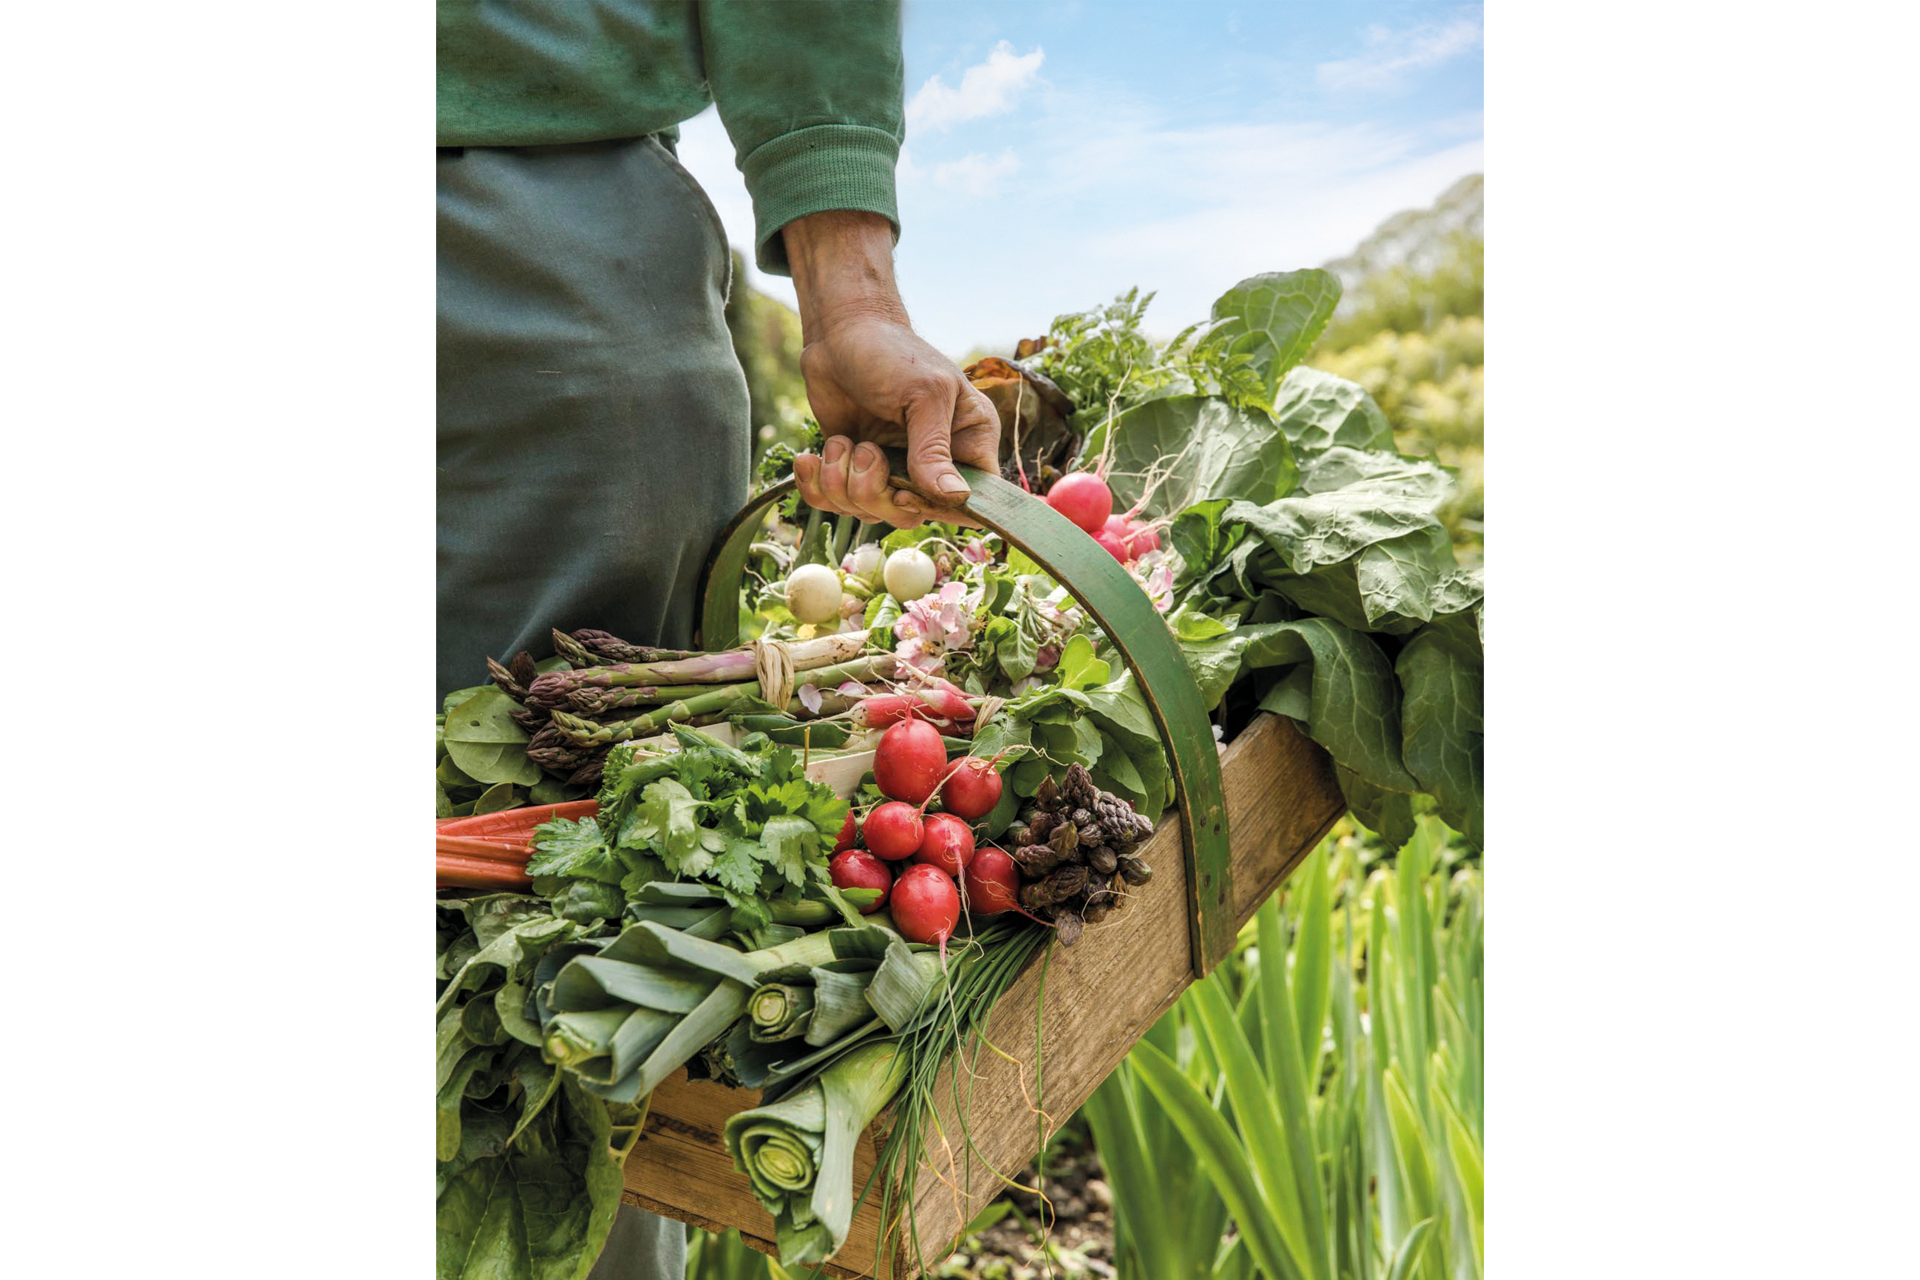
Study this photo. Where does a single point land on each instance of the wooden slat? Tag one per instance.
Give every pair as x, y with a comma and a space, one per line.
680, 1169
1099, 997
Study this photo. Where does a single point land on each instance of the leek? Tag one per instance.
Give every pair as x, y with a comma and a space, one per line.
798, 1152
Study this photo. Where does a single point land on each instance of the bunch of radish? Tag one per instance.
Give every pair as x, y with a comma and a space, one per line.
1084, 498
910, 767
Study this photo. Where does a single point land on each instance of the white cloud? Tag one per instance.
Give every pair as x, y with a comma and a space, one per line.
987, 89
975, 174
1391, 54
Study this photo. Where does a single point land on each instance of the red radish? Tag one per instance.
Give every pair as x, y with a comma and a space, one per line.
1119, 526
858, 869
944, 696
926, 904
947, 844
972, 789
1114, 545
894, 830
848, 829
909, 762
1141, 538
1083, 498
993, 882
935, 706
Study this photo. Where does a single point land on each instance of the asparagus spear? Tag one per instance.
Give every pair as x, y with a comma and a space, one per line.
597, 701
577, 654
584, 732
551, 689
611, 648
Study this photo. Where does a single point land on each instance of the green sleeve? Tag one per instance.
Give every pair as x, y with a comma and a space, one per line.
810, 91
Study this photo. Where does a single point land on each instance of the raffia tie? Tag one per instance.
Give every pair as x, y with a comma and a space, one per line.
989, 707
773, 668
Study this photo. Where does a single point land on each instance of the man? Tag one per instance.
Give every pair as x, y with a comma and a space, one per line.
593, 431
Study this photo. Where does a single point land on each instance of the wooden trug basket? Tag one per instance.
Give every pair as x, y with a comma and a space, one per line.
1241, 822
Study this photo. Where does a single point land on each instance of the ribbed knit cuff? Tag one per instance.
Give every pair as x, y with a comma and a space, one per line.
812, 170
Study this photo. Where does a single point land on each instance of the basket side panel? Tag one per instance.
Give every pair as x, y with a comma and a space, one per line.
680, 1169
1103, 994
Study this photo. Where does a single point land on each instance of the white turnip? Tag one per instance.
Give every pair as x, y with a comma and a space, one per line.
813, 594
909, 574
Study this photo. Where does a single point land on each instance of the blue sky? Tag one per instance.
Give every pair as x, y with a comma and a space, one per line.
1059, 153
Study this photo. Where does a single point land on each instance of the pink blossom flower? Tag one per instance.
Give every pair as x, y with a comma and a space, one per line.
1155, 576
1047, 657
935, 624
809, 695
976, 551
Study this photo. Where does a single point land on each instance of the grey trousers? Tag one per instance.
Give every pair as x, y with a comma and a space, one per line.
593, 425
593, 428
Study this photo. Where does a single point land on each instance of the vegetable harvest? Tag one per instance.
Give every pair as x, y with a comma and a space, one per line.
810, 864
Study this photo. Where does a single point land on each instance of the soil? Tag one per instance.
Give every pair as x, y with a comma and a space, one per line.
1069, 1236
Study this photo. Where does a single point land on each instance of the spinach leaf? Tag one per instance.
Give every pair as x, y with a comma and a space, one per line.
486, 744
539, 1209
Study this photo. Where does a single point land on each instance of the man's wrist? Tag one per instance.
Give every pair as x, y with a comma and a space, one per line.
842, 264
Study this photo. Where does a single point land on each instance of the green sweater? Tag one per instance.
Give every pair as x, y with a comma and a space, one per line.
809, 90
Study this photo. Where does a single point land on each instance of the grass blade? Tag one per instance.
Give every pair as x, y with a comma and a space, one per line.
1221, 1154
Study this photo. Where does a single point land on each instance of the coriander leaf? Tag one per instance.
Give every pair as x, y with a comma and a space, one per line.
787, 843
568, 848
737, 868
670, 810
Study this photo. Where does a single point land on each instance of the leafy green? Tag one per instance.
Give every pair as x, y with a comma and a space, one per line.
1194, 447
1274, 318
1443, 724
484, 742
1317, 411
538, 1209
744, 820
566, 847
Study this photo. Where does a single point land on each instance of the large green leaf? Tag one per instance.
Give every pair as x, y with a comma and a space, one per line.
539, 1209
1275, 318
1372, 542
1194, 447
1318, 410
485, 742
1442, 723
1355, 702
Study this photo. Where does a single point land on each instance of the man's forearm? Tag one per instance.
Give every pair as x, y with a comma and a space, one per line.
842, 265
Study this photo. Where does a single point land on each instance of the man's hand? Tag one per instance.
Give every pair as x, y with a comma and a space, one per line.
872, 381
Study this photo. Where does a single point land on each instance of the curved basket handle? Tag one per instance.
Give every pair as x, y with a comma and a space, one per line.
1116, 602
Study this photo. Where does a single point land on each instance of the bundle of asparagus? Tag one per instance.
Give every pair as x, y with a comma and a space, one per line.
618, 691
